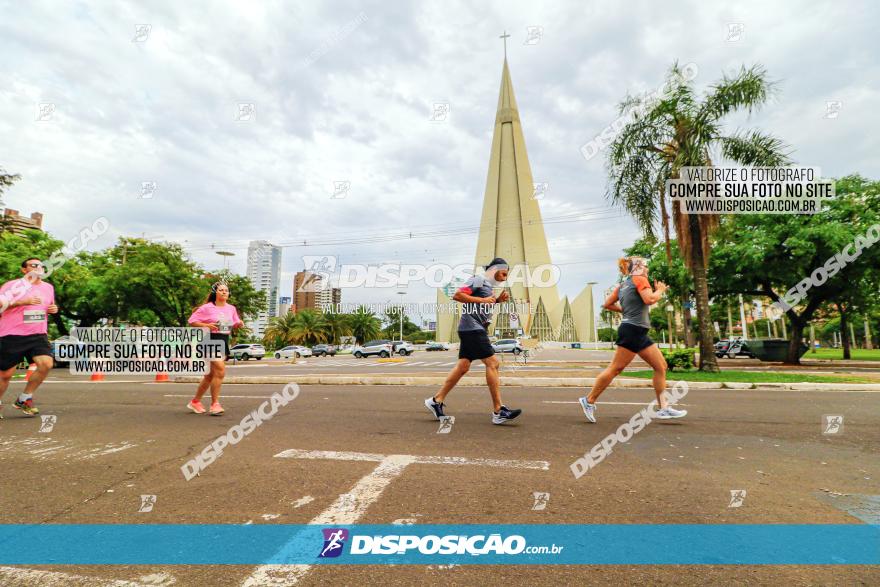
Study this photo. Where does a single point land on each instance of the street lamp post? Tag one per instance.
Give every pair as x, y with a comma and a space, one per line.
401, 294
742, 317
225, 255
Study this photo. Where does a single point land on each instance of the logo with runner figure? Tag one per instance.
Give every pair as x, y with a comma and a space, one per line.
334, 542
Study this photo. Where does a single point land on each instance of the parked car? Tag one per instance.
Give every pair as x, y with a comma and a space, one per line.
402, 347
436, 346
382, 348
248, 351
322, 350
507, 345
292, 351
733, 348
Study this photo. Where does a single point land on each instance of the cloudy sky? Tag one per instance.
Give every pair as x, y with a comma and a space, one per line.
344, 92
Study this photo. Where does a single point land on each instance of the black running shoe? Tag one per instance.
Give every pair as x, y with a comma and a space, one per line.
435, 408
505, 414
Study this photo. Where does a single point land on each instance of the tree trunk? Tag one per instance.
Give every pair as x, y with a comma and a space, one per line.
844, 332
729, 322
686, 311
708, 361
794, 343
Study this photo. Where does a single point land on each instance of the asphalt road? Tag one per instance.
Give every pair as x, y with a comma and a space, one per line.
113, 442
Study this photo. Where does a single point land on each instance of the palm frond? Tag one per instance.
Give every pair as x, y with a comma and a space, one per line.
748, 90
755, 148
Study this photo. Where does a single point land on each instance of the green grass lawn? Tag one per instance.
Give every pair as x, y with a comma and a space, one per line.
751, 377
857, 354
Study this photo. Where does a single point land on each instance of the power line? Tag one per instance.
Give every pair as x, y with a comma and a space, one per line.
411, 235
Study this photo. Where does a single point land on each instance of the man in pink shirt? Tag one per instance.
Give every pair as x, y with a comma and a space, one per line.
25, 304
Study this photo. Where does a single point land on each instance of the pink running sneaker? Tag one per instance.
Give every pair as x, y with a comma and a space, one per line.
216, 409
196, 406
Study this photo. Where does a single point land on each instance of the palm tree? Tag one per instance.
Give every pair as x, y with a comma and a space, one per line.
281, 330
338, 325
309, 327
676, 130
364, 325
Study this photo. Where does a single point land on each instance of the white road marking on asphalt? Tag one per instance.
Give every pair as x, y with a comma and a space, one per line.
295, 453
22, 576
349, 507
604, 403
224, 396
302, 501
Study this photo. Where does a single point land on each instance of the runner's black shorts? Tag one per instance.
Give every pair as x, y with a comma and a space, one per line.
633, 338
225, 339
474, 345
15, 347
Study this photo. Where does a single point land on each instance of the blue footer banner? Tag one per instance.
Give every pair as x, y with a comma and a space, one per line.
471, 544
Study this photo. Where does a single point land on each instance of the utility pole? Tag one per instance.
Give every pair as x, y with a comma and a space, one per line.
742, 317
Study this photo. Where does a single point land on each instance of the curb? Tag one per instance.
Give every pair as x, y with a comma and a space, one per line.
524, 382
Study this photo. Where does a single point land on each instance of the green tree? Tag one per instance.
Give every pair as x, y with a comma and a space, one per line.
364, 325
153, 282
767, 255
392, 323
309, 327
676, 130
281, 331
73, 281
338, 325
6, 181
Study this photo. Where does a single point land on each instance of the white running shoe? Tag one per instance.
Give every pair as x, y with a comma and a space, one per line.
669, 413
589, 409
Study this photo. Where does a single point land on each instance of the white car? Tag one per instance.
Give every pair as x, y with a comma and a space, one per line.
247, 351
403, 348
507, 345
381, 348
289, 352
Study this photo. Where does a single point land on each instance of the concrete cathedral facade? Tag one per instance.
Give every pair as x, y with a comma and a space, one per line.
511, 227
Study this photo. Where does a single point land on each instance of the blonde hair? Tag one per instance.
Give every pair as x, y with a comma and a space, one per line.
623, 265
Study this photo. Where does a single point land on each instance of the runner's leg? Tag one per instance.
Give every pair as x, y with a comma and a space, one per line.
218, 369
458, 371
5, 378
44, 365
493, 380
622, 358
205, 383
654, 357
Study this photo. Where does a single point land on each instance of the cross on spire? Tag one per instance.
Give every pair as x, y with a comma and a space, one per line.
505, 36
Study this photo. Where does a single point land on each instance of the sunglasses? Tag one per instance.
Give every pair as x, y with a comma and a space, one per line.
34, 265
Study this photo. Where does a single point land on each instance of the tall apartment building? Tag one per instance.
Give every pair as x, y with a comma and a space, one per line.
329, 297
264, 273
311, 290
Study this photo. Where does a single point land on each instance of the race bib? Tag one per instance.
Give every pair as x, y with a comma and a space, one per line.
31, 316
224, 327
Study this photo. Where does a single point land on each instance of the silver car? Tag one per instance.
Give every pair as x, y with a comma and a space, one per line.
507, 345
293, 350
